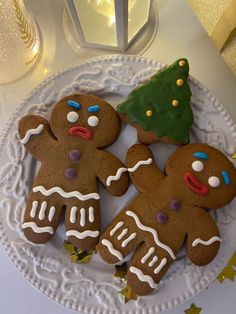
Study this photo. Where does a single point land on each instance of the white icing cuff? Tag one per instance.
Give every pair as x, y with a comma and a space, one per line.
142, 277
57, 189
122, 170
208, 242
82, 235
111, 249
36, 228
31, 132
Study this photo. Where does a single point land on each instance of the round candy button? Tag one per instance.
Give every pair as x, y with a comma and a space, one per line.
74, 155
162, 218
175, 204
70, 173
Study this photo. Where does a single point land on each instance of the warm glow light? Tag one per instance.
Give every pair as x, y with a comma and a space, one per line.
35, 49
106, 8
112, 20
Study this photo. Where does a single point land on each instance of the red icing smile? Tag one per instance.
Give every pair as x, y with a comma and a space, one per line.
81, 131
194, 184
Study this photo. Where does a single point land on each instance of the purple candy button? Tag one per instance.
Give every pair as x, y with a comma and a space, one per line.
175, 205
162, 218
74, 155
70, 173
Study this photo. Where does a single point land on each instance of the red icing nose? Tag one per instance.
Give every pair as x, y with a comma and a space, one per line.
81, 131
194, 184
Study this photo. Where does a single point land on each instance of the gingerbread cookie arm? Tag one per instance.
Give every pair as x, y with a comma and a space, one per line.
141, 165
112, 173
203, 240
35, 133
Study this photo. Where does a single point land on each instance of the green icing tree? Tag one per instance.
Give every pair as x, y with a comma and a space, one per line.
162, 105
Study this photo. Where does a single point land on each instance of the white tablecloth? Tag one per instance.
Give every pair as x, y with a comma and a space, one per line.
179, 35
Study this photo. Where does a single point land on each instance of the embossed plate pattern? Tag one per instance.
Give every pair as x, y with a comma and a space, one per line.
91, 288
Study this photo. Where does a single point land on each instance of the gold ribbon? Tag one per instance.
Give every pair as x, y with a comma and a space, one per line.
225, 28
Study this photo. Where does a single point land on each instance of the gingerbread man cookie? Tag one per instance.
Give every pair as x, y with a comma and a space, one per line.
69, 149
170, 210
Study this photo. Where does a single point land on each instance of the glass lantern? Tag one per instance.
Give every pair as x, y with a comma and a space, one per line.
112, 24
19, 40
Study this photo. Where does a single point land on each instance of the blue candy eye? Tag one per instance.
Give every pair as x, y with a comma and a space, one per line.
95, 108
201, 155
74, 104
226, 177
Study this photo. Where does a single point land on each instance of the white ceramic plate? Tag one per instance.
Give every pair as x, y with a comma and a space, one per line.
91, 288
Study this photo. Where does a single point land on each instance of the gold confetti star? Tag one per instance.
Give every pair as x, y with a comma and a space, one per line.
78, 255
128, 294
121, 271
193, 309
229, 272
234, 156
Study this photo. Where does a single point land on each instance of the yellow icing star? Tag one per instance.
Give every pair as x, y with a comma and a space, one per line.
128, 294
229, 272
193, 309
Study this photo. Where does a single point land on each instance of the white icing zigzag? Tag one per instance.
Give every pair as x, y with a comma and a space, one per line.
209, 242
144, 278
36, 228
82, 235
57, 189
31, 132
122, 170
152, 231
111, 249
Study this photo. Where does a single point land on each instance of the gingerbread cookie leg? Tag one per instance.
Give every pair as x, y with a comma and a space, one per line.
119, 239
148, 265
82, 223
42, 216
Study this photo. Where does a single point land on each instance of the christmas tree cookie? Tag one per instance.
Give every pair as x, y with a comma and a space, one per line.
160, 109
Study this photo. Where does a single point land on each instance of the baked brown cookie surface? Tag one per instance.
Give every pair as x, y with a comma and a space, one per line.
69, 149
169, 211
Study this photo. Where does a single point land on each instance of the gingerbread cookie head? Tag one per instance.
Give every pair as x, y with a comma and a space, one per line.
204, 175
85, 118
